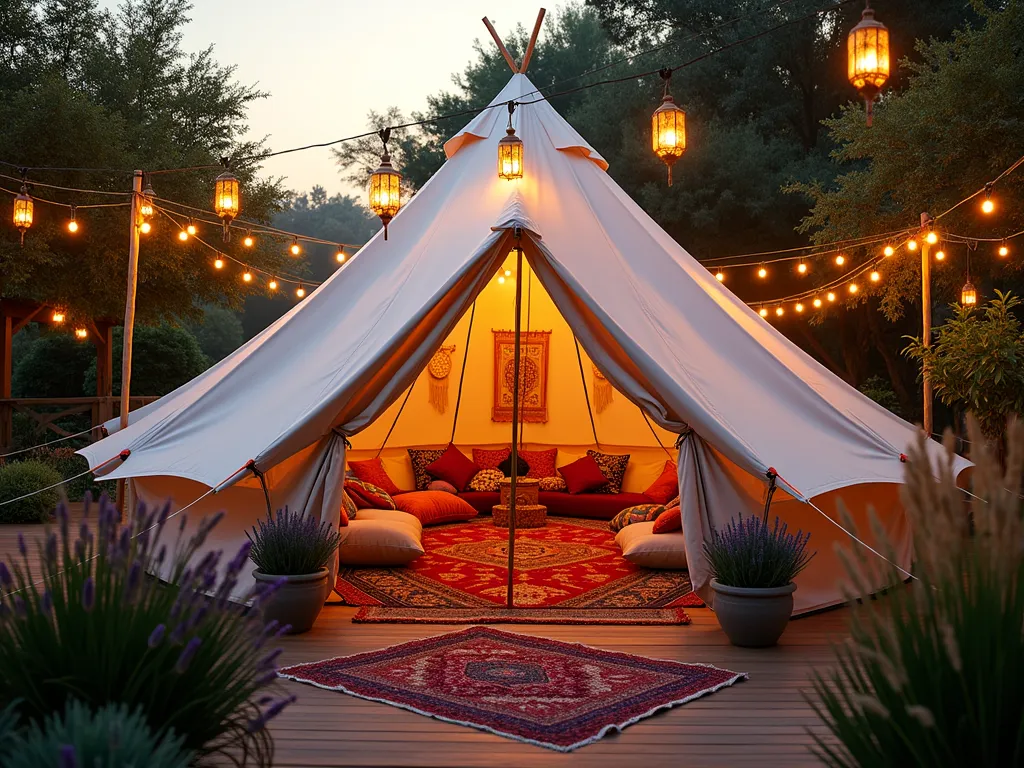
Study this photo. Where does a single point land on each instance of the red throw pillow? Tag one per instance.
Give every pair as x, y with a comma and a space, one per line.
583, 475
454, 467
433, 507
372, 471
668, 521
485, 458
542, 463
666, 487
368, 496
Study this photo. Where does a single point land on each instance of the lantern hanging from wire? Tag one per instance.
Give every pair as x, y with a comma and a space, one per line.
510, 151
968, 294
867, 48
23, 210
146, 201
668, 128
227, 199
385, 186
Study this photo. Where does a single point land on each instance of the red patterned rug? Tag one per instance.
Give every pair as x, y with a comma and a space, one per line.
545, 692
568, 564
373, 614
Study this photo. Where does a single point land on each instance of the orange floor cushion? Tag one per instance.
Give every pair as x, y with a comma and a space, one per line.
434, 507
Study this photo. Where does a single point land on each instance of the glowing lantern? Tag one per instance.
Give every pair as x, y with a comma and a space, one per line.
81, 334
968, 294
227, 200
668, 128
58, 317
146, 201
867, 48
23, 208
510, 151
385, 186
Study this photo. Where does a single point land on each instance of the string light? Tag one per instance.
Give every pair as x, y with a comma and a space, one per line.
988, 205
248, 241
218, 263
191, 228
931, 238
840, 260
295, 247
940, 255
763, 312
801, 267
817, 303
300, 291
799, 307
720, 276
58, 316
508, 273
875, 276
830, 296
73, 223
501, 279
272, 285
889, 250
145, 227
911, 244
81, 334
340, 255
247, 277
779, 311
762, 272
1004, 249
183, 235
853, 288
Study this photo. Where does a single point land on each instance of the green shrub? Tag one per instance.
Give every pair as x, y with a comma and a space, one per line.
931, 675
747, 553
95, 627
112, 736
69, 464
292, 544
19, 478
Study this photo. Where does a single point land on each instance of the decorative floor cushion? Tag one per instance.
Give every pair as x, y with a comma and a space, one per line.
583, 475
486, 480
487, 458
394, 516
421, 458
666, 487
433, 507
522, 466
614, 468
348, 508
641, 513
641, 546
442, 485
554, 484
372, 471
368, 496
542, 463
669, 520
453, 466
379, 542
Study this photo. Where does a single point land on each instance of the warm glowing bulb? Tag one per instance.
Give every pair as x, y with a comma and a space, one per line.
508, 273
58, 316
779, 311
940, 255
853, 288
183, 235
340, 256
932, 238
72, 226
763, 312
1004, 250
988, 206
81, 333
801, 268
145, 227
875, 277
762, 273
218, 263
300, 291
191, 229
272, 285
501, 279
817, 303
247, 277
799, 307
911, 244
720, 276
889, 250
248, 241
830, 296
295, 249
840, 260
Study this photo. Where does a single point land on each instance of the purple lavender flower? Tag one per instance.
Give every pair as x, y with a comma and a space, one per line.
240, 558
80, 549
187, 654
5, 576
46, 603
270, 659
20, 610
63, 519
284, 630
67, 758
21, 545
266, 678
89, 594
50, 550
267, 633
131, 585
157, 635
259, 723
88, 502
83, 531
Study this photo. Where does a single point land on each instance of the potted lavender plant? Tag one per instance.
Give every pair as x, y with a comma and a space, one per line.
293, 549
753, 567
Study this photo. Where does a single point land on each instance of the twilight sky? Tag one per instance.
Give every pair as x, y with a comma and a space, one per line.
326, 63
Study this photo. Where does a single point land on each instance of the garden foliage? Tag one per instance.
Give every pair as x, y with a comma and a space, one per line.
20, 478
292, 544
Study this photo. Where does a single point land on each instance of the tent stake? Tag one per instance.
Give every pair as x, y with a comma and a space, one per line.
515, 426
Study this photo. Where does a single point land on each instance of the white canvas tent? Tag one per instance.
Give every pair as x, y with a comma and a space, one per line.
671, 338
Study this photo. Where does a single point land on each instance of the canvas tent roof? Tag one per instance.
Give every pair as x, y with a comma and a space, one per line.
656, 323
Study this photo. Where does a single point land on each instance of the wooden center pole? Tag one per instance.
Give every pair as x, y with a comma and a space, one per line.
123, 487
926, 322
515, 429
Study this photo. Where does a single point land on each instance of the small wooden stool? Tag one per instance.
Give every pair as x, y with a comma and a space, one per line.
529, 513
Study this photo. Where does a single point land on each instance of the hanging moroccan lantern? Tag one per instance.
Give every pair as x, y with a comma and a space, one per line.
385, 186
510, 151
23, 208
146, 201
668, 128
227, 200
867, 48
968, 294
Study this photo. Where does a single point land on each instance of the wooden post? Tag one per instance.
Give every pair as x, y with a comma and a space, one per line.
501, 46
124, 489
926, 321
515, 428
533, 41
7, 413
104, 337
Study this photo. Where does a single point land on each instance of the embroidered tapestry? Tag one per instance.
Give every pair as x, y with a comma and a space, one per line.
533, 376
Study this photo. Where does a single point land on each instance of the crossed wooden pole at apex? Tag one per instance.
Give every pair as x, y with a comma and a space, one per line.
520, 68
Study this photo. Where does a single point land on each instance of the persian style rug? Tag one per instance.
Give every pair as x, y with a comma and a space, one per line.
611, 616
544, 692
533, 375
571, 566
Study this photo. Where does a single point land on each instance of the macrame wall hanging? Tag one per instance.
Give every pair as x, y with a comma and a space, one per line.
440, 368
602, 390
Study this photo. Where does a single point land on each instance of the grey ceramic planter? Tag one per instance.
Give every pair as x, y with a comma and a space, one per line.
753, 618
298, 601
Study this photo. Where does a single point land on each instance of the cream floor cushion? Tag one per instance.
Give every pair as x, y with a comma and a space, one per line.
641, 546
380, 537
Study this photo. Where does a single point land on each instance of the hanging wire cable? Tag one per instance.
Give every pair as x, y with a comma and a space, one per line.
68, 205
49, 442
34, 183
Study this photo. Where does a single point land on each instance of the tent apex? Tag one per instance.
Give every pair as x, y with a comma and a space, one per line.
520, 68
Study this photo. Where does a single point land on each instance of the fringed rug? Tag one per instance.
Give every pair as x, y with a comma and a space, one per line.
544, 692
632, 617
570, 564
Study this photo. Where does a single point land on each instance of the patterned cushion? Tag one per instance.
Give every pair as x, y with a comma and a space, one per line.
670, 520
442, 485
487, 480
641, 513
348, 508
486, 458
613, 467
421, 459
368, 496
542, 463
553, 484
372, 471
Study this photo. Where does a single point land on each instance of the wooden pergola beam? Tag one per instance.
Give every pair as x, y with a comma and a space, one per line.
501, 46
533, 41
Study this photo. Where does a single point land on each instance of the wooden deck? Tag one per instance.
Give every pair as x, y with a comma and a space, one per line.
763, 721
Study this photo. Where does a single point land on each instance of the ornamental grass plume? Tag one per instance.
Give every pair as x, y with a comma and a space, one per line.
931, 675
94, 625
